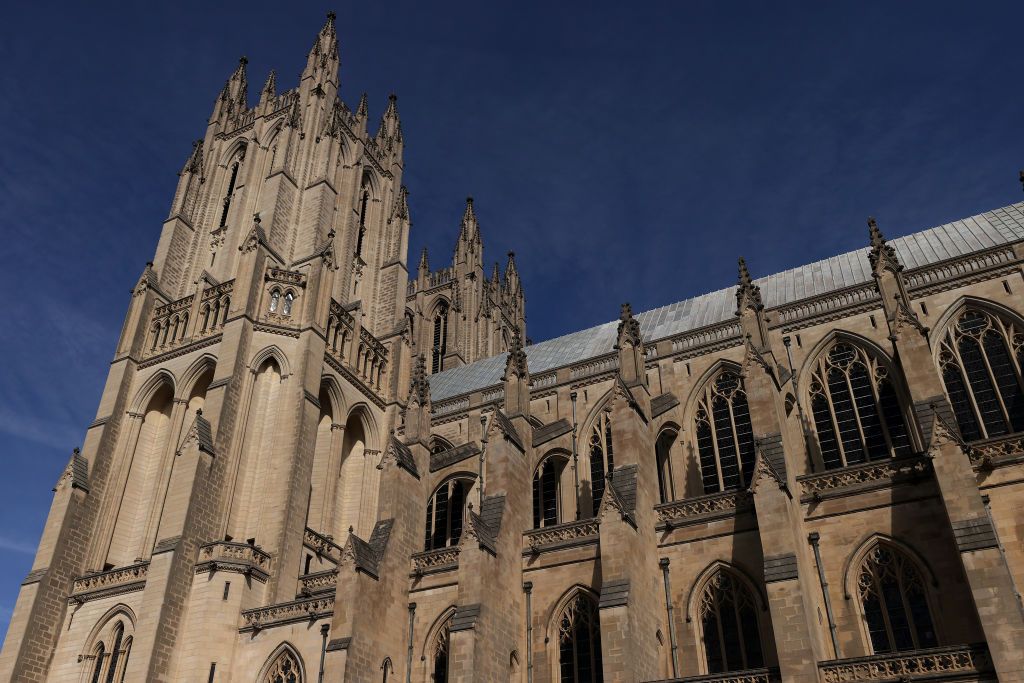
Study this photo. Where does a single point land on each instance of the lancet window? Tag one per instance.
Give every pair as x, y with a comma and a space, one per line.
893, 597
547, 492
364, 201
111, 655
275, 300
602, 455
981, 357
440, 338
442, 649
725, 440
289, 299
446, 512
579, 641
663, 461
229, 193
857, 413
729, 624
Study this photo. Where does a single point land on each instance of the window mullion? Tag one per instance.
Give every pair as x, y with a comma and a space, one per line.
996, 389
827, 393
736, 445
714, 438
968, 387
856, 413
883, 604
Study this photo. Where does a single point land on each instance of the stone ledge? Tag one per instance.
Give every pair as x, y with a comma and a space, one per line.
933, 664
309, 609
869, 476
113, 582
568, 535
713, 506
240, 558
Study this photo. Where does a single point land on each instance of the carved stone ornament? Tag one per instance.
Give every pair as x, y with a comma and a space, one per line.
515, 364
762, 470
748, 295
419, 385
255, 236
882, 256
629, 328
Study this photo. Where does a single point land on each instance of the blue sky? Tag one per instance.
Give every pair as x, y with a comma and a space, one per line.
625, 151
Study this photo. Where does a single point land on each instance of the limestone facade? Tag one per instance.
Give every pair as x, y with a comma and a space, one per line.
309, 464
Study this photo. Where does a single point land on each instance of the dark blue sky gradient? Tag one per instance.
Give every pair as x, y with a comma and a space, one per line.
625, 151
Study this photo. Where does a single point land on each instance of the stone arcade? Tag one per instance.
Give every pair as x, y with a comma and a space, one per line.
309, 464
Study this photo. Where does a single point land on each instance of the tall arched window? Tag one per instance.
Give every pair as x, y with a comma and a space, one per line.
446, 512
115, 653
547, 491
729, 624
442, 648
892, 595
284, 669
857, 413
364, 201
981, 358
97, 667
440, 337
230, 192
275, 299
663, 461
579, 641
602, 455
725, 440
289, 299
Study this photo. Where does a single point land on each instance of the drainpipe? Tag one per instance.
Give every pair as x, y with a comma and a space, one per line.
575, 457
663, 563
324, 629
483, 449
813, 537
528, 588
408, 656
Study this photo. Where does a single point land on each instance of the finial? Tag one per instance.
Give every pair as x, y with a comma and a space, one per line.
1022, 178
331, 16
149, 264
874, 232
625, 311
392, 97
511, 255
744, 278
256, 218
351, 528
243, 60
469, 199
199, 412
76, 451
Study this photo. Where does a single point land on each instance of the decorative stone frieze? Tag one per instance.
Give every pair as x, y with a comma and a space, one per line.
307, 609
240, 558
112, 582
909, 666
320, 582
561, 536
321, 545
432, 561
715, 505
860, 478
747, 676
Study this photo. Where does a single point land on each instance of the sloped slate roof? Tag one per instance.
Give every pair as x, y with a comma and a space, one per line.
959, 238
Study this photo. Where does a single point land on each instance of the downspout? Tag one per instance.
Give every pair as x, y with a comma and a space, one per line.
575, 457
528, 588
408, 656
483, 449
324, 629
663, 563
813, 537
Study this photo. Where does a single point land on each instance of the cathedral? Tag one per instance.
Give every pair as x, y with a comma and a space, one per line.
311, 463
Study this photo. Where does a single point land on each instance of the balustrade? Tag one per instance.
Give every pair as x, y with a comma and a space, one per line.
927, 664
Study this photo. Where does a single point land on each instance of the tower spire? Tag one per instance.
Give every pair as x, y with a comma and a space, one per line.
322, 60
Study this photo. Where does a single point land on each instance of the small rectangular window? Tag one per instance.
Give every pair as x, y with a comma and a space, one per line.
924, 309
213, 671
798, 342
227, 589
873, 323
1006, 286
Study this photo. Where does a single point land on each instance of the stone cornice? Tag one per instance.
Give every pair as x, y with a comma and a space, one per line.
870, 476
307, 609
113, 582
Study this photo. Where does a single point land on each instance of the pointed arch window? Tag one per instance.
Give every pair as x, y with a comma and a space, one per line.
364, 202
440, 338
285, 669
446, 513
729, 625
981, 357
602, 456
97, 669
547, 492
229, 193
579, 641
115, 653
289, 299
442, 648
663, 461
893, 598
725, 439
275, 300
857, 414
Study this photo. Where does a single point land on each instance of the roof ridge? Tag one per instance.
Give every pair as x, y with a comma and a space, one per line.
954, 239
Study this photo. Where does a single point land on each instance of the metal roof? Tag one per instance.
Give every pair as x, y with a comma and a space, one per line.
959, 238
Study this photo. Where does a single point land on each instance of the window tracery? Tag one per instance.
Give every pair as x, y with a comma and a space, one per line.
442, 647
980, 358
602, 455
894, 602
857, 413
725, 439
446, 512
729, 623
579, 641
285, 669
110, 661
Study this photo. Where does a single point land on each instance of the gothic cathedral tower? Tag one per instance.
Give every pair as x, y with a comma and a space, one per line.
264, 360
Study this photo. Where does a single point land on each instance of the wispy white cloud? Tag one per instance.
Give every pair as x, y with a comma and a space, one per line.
16, 546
